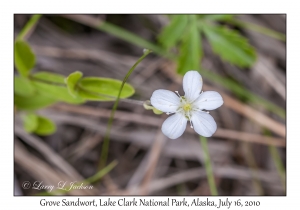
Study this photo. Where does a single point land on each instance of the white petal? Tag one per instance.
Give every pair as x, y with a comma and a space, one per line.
209, 100
192, 85
174, 126
204, 124
165, 100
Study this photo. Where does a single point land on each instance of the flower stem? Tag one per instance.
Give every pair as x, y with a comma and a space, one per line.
29, 26
208, 167
118, 32
278, 163
105, 146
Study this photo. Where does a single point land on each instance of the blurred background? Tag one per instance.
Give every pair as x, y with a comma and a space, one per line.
243, 57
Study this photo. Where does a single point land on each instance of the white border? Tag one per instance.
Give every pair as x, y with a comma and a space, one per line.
8, 8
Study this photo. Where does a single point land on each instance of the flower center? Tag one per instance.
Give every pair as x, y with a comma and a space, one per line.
187, 107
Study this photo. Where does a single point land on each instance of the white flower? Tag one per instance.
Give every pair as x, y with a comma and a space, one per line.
189, 107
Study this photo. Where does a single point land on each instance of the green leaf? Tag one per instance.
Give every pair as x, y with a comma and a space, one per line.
71, 82
59, 93
30, 122
49, 77
173, 32
190, 50
45, 126
218, 17
103, 89
24, 57
23, 86
230, 45
53, 86
34, 102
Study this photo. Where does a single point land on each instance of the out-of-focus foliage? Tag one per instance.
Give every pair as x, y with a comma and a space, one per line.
186, 31
230, 45
41, 89
71, 82
103, 89
23, 86
24, 57
38, 124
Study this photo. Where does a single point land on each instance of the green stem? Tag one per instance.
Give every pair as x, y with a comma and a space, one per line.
208, 167
253, 168
277, 160
257, 28
105, 146
102, 172
29, 26
119, 32
278, 163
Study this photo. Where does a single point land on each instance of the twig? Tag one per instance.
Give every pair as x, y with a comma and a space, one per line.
84, 54
47, 153
153, 159
116, 31
154, 121
229, 172
40, 170
186, 149
263, 67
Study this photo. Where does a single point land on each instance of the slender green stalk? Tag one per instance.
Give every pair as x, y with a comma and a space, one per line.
29, 26
105, 146
87, 181
119, 32
208, 167
257, 28
278, 163
132, 38
277, 160
102, 172
253, 168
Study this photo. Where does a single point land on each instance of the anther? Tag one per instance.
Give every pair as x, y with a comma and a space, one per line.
191, 124
177, 93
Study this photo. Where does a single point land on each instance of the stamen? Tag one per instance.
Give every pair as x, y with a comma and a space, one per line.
179, 110
189, 115
177, 93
